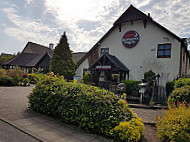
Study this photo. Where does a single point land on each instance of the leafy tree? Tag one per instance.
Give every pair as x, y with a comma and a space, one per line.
62, 60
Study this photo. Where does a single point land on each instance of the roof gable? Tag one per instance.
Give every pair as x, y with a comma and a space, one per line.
36, 49
107, 59
130, 15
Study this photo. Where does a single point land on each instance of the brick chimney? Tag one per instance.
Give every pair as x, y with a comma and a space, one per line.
51, 46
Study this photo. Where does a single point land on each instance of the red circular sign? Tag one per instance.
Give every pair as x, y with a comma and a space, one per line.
130, 39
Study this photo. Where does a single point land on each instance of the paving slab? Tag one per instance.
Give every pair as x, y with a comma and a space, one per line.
148, 115
68, 129
68, 138
37, 128
24, 122
100, 139
83, 136
52, 135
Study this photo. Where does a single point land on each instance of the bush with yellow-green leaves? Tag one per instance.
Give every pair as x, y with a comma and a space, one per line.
174, 126
92, 109
128, 131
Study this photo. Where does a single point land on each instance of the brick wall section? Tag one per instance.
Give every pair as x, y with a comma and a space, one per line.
93, 56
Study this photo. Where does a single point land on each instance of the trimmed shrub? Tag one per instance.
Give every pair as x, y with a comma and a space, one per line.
130, 131
169, 87
7, 81
132, 87
174, 126
180, 95
93, 109
182, 82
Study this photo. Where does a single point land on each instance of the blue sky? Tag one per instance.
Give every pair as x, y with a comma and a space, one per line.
85, 21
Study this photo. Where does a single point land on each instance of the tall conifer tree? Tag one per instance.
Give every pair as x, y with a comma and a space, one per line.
62, 60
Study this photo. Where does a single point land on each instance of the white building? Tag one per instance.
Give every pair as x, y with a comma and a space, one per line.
140, 44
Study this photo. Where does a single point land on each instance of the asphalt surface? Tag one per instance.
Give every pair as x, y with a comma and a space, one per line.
9, 133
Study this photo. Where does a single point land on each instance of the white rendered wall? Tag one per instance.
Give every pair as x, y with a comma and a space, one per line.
84, 64
143, 56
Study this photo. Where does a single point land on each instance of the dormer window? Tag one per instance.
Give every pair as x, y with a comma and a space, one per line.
104, 51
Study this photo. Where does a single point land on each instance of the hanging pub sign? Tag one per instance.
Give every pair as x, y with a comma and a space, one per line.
103, 67
130, 39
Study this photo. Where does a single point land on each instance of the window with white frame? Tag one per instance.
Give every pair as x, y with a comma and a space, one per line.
164, 50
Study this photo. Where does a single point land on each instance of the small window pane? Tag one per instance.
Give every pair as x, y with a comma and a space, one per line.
160, 47
167, 52
168, 46
104, 50
160, 53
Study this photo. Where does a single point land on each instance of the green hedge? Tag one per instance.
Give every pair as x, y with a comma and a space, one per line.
180, 95
174, 126
93, 109
132, 87
7, 81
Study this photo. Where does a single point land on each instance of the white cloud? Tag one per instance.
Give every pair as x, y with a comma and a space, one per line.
28, 29
29, 1
172, 14
67, 16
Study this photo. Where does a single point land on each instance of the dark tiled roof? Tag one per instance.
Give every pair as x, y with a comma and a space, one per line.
30, 56
112, 59
25, 60
78, 55
117, 62
36, 49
